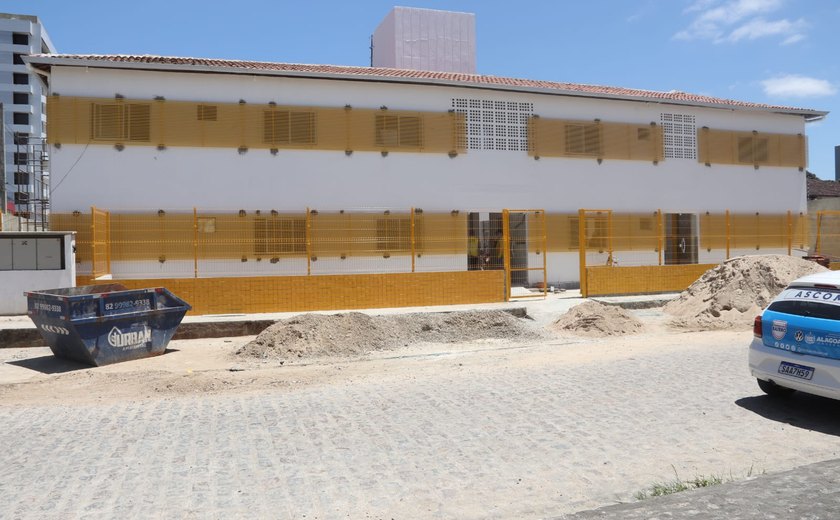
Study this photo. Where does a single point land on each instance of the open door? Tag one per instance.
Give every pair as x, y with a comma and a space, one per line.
680, 238
524, 230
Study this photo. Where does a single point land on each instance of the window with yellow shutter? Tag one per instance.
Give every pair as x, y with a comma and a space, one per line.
120, 122
753, 150
398, 131
284, 127
207, 112
583, 139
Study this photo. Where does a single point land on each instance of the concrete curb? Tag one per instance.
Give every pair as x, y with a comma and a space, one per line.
30, 337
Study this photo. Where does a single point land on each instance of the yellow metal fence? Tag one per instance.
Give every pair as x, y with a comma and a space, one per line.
266, 242
826, 229
525, 230
100, 248
625, 253
609, 252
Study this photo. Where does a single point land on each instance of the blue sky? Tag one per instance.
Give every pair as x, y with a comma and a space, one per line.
767, 51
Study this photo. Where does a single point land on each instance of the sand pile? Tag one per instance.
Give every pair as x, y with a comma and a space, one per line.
354, 333
733, 293
593, 318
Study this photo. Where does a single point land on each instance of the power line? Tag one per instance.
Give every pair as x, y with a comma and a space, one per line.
64, 177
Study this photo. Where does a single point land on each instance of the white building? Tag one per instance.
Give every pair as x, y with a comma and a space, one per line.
142, 133
22, 95
425, 39
32, 262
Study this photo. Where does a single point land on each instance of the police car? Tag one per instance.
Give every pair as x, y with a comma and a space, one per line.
796, 343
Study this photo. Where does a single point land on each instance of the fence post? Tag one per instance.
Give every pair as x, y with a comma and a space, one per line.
411, 232
659, 234
803, 230
93, 241
789, 233
108, 242
582, 252
308, 242
544, 226
728, 233
506, 250
195, 243
819, 233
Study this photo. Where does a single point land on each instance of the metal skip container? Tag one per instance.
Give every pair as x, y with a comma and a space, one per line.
104, 324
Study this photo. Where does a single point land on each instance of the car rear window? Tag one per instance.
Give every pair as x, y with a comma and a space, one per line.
807, 308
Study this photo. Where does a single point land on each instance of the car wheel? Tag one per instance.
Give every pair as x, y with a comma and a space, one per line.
773, 390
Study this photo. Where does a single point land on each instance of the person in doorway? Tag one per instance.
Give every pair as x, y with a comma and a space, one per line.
472, 251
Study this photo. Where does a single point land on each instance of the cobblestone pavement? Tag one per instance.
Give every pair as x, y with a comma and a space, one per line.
497, 434
809, 492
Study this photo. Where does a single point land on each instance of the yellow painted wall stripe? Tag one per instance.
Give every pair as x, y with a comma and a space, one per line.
144, 122
751, 148
594, 139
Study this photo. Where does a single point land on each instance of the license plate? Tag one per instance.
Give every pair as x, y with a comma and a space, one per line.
794, 370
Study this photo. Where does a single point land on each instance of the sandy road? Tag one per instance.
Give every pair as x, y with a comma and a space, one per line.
489, 429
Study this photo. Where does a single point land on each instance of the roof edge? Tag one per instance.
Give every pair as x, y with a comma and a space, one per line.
46, 61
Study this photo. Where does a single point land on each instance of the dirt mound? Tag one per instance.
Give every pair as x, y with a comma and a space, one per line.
733, 293
593, 318
352, 334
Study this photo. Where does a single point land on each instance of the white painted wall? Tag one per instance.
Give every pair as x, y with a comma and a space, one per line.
14, 283
285, 267
178, 178
142, 178
384, 42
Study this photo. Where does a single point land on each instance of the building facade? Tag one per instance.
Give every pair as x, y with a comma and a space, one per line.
432, 158
23, 97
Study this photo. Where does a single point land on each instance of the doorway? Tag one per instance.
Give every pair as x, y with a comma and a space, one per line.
487, 230
680, 238
518, 249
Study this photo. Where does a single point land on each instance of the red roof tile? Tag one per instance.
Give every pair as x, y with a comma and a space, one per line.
372, 73
820, 188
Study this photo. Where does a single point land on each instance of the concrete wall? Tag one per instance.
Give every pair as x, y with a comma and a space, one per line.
14, 282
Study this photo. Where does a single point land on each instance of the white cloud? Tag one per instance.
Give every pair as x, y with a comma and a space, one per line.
736, 20
793, 39
700, 5
793, 85
760, 28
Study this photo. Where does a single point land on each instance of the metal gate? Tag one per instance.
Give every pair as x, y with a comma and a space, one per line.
594, 234
525, 243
